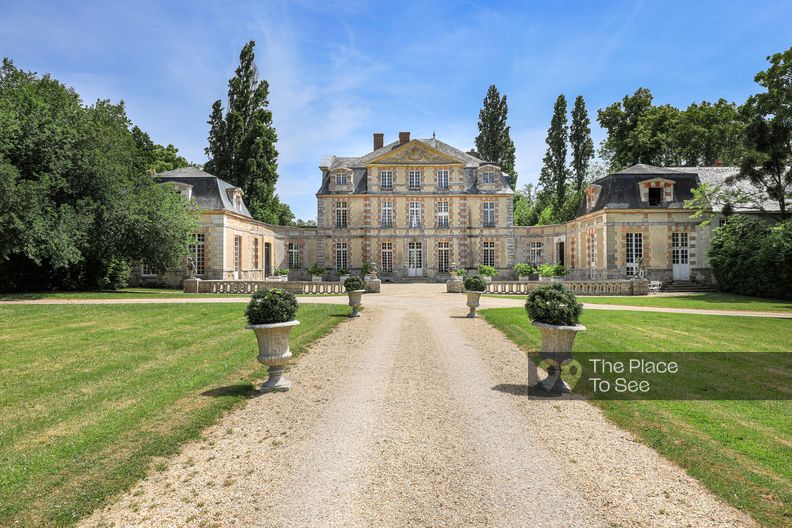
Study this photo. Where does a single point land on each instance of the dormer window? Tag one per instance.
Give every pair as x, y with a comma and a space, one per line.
488, 177
655, 196
238, 203
341, 178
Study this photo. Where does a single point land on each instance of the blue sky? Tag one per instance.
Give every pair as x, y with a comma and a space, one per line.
340, 70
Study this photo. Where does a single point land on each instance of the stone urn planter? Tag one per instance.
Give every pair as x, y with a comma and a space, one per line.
554, 310
342, 278
543, 278
270, 315
474, 287
524, 278
486, 278
355, 300
316, 278
274, 352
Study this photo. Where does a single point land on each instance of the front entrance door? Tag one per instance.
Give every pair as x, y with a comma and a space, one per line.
560, 253
679, 256
267, 259
415, 259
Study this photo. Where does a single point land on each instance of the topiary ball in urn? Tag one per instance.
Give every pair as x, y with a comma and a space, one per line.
474, 286
270, 315
554, 310
355, 287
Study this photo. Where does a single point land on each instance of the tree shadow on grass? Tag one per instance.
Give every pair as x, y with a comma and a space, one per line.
243, 390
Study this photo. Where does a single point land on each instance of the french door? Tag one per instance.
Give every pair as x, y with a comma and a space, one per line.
237, 257
679, 256
415, 259
634, 245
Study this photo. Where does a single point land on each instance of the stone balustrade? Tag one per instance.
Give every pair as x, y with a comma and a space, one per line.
581, 287
247, 287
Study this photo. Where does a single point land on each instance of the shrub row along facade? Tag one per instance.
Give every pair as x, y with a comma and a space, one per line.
416, 206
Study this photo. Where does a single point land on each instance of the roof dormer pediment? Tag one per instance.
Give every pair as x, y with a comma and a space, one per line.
415, 152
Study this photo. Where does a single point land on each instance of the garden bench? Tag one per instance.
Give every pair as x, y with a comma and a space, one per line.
654, 286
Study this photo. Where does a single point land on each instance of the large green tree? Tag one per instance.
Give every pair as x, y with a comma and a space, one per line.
156, 158
709, 133
768, 134
554, 172
580, 142
242, 142
77, 207
494, 142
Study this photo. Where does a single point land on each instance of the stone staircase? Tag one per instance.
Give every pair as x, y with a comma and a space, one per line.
688, 287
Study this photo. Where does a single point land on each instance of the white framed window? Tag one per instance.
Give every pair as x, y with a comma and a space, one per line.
415, 214
387, 214
254, 253
238, 202
443, 256
198, 253
237, 253
341, 178
442, 214
679, 248
442, 179
591, 254
489, 214
721, 221
634, 243
414, 179
386, 180
488, 177
534, 253
148, 271
342, 256
341, 214
488, 256
386, 257
293, 251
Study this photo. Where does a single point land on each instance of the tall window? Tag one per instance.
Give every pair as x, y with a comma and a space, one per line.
442, 179
254, 249
341, 178
237, 253
414, 177
415, 214
442, 214
634, 251
387, 214
342, 256
443, 254
488, 258
488, 177
147, 271
591, 255
198, 253
386, 257
534, 253
341, 214
293, 251
489, 214
386, 180
679, 248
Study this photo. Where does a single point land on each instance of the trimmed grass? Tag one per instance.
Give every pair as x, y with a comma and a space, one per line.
92, 395
741, 450
699, 301
130, 293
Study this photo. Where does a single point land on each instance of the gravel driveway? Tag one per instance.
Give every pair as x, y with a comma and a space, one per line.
413, 415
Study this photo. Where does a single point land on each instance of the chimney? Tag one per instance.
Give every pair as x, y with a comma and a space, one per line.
404, 137
379, 140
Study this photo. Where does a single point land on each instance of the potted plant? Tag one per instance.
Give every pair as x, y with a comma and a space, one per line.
316, 273
373, 270
355, 288
523, 271
270, 315
487, 272
365, 271
343, 275
474, 287
554, 310
546, 272
559, 273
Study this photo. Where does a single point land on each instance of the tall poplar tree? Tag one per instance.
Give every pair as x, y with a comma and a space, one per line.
554, 171
580, 141
494, 142
242, 142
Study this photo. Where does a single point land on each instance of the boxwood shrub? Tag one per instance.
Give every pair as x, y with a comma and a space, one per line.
553, 304
269, 306
475, 283
354, 283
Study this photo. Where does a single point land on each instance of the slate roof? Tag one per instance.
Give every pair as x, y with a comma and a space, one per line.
208, 191
726, 177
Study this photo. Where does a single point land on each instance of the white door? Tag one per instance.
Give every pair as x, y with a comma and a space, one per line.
679, 256
415, 259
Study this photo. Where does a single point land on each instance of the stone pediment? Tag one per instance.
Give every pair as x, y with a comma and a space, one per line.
415, 153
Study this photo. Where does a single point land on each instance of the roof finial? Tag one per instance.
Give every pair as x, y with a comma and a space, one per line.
433, 134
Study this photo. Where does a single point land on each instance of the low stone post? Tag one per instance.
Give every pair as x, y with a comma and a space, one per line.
192, 285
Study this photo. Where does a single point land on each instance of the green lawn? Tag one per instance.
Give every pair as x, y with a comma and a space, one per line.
741, 450
91, 393
126, 293
701, 301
